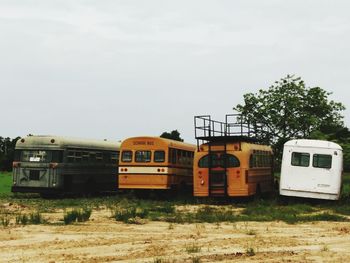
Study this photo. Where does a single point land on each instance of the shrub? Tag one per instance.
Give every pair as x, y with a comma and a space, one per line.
250, 252
5, 221
127, 214
22, 219
77, 215
35, 218
193, 248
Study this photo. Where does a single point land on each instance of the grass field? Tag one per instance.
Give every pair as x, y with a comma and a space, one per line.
187, 209
5, 182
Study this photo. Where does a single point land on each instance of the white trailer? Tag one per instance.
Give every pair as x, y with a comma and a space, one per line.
312, 169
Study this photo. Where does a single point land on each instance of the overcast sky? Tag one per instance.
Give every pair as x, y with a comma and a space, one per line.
115, 69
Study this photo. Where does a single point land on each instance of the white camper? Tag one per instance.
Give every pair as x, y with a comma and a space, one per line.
312, 169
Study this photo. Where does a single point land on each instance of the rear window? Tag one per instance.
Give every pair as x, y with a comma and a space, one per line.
223, 160
143, 156
300, 159
322, 161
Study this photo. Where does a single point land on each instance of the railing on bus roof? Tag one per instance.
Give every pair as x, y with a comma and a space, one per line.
235, 127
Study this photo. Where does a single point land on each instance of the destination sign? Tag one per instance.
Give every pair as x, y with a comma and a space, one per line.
143, 143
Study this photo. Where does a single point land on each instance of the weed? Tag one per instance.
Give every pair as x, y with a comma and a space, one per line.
251, 232
70, 217
22, 219
171, 226
5, 221
35, 218
325, 248
161, 260
250, 252
195, 259
136, 221
84, 214
77, 215
193, 248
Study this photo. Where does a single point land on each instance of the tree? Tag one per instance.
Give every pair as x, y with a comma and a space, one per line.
173, 135
338, 134
7, 151
291, 110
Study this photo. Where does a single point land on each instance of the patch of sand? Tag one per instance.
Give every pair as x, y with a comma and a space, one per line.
104, 240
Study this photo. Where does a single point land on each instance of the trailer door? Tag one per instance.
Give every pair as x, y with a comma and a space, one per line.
295, 174
326, 173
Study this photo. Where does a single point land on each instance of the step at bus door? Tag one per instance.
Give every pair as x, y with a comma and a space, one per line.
217, 183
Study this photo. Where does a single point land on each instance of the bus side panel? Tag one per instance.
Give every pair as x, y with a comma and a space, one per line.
200, 180
236, 182
90, 178
144, 181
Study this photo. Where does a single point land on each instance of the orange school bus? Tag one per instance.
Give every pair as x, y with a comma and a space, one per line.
155, 163
230, 164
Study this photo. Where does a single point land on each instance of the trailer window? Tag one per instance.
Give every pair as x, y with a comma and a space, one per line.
143, 156
300, 159
322, 161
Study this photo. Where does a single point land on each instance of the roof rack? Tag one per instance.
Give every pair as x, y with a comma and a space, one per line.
235, 128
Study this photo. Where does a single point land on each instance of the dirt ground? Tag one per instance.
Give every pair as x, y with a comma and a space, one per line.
102, 239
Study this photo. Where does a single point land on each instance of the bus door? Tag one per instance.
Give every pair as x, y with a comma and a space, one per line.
217, 174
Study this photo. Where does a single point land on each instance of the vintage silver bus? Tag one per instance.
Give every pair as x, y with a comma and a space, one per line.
51, 164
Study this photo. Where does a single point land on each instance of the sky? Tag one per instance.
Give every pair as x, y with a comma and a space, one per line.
120, 68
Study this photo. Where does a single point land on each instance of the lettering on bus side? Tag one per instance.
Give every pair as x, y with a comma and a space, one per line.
143, 143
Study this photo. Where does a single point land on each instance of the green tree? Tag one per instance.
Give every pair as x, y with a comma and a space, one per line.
338, 134
291, 110
173, 135
7, 151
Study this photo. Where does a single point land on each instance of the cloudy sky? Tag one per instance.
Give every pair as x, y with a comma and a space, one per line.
120, 68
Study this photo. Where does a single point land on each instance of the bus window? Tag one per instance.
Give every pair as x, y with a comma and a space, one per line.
126, 156
232, 161
70, 156
99, 157
143, 156
172, 156
115, 157
85, 157
204, 161
322, 161
57, 156
35, 156
300, 159
159, 156
92, 157
78, 157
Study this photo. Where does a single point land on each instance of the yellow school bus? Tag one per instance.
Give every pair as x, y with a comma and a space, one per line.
230, 164
155, 163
